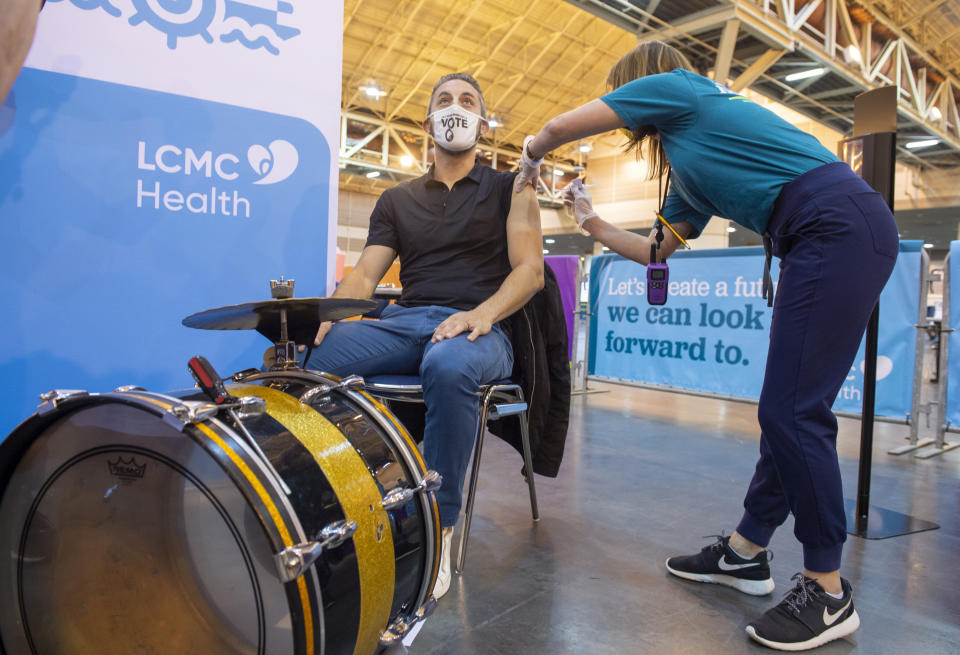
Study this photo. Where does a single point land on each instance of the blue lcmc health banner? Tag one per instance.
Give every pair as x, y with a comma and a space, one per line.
124, 210
713, 333
953, 369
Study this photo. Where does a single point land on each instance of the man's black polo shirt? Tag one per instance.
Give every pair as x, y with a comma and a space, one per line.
452, 243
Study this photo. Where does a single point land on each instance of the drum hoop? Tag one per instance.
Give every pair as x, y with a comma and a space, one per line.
296, 373
162, 406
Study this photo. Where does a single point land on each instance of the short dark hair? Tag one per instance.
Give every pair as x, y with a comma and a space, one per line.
466, 77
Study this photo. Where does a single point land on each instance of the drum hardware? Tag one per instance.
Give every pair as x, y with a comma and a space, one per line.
399, 628
292, 562
211, 384
401, 496
190, 412
351, 383
284, 349
54, 397
240, 376
284, 320
128, 387
281, 289
250, 406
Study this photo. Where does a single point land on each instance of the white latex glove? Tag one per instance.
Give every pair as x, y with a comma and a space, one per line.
529, 169
578, 198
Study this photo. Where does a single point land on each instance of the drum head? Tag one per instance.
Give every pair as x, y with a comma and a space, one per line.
122, 535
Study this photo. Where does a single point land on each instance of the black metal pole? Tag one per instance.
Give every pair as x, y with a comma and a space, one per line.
866, 422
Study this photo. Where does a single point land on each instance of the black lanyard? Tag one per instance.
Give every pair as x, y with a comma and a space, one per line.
662, 191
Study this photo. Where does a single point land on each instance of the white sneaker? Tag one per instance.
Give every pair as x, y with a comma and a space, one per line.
443, 576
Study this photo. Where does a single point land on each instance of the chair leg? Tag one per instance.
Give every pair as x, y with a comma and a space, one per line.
471, 494
528, 466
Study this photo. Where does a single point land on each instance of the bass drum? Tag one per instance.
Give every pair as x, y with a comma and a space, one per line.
131, 522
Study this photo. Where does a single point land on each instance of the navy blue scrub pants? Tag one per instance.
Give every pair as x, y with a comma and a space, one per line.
837, 242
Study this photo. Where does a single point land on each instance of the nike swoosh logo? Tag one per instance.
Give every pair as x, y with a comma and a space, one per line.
733, 567
829, 619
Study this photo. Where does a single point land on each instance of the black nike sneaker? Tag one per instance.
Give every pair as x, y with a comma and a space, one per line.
718, 563
807, 617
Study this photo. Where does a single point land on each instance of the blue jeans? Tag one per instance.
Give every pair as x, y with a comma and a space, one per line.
451, 372
837, 242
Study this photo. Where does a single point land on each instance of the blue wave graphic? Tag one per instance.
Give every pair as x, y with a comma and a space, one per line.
261, 42
259, 16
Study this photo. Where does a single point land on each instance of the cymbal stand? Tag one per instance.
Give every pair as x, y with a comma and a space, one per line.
284, 350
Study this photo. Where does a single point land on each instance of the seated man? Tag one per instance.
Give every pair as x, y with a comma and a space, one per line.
470, 255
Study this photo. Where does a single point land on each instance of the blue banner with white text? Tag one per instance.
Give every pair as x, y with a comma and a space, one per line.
125, 209
953, 367
713, 333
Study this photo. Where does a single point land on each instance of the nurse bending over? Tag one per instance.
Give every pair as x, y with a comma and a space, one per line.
837, 243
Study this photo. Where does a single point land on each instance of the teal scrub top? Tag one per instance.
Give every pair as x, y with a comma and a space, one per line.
730, 157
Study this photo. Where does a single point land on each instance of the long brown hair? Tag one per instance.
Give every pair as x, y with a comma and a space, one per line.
647, 58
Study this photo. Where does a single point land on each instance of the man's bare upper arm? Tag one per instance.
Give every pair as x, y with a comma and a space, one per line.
371, 267
524, 241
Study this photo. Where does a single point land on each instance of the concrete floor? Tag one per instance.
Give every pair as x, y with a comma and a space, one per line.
645, 475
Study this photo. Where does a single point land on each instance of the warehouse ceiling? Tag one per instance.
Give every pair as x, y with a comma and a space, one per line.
531, 59
851, 47
537, 59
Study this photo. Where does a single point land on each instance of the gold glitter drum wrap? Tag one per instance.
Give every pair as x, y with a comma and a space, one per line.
359, 497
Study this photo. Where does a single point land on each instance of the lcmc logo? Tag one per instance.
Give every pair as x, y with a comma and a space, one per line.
275, 163
253, 24
194, 168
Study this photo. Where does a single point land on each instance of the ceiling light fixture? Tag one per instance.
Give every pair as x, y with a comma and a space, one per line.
935, 114
923, 143
928, 245
372, 91
802, 75
730, 228
585, 148
373, 174
406, 161
852, 54
549, 240
493, 122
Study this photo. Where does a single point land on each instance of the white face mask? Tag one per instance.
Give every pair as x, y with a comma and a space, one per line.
455, 129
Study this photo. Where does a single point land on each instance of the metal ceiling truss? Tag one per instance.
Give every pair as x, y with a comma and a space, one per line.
815, 33
371, 143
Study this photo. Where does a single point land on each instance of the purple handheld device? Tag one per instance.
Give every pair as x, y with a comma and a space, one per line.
658, 276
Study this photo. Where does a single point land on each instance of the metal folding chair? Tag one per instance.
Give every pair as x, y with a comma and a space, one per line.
497, 400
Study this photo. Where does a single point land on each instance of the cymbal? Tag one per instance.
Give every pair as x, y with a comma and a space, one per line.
304, 316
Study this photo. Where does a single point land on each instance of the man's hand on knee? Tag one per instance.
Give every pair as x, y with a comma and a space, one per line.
321, 333
474, 321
